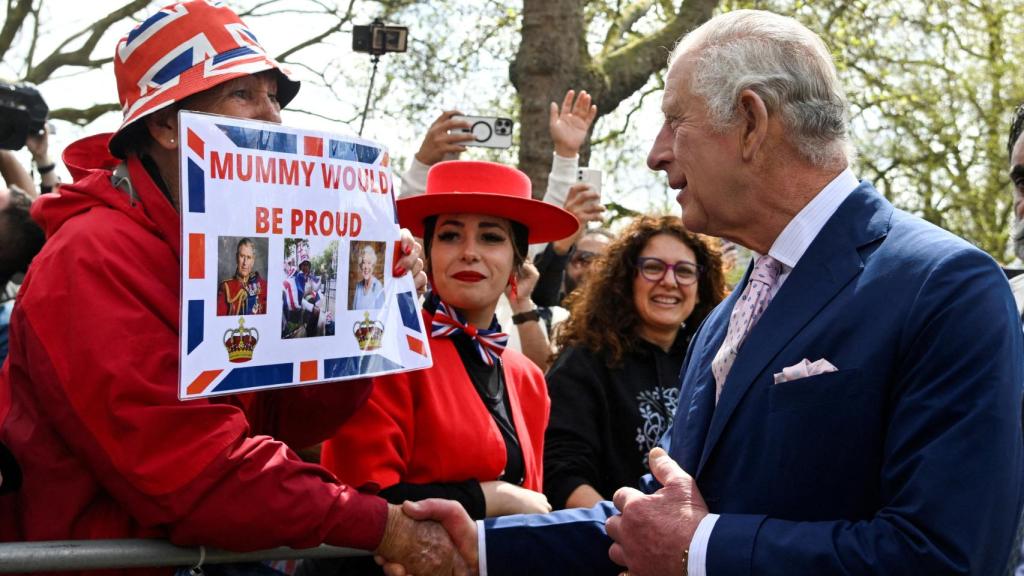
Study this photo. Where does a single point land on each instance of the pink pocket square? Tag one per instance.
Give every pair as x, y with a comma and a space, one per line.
803, 369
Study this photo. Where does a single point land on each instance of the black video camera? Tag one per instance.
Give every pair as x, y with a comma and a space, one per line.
22, 112
378, 39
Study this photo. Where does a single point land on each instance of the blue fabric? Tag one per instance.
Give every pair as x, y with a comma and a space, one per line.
371, 299
907, 460
5, 321
195, 324
567, 543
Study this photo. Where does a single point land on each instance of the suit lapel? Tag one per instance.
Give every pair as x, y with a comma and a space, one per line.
830, 263
701, 387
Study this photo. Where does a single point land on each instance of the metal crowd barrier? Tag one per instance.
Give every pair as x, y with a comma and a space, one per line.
62, 555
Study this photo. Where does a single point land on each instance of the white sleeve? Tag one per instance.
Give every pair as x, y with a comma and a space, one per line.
414, 180
699, 546
481, 547
562, 176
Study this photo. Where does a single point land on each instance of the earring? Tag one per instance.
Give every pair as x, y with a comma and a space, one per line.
172, 140
513, 284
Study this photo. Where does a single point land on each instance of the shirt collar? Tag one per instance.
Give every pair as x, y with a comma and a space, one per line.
797, 236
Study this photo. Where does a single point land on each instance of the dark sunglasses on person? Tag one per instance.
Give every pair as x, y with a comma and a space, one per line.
654, 269
583, 258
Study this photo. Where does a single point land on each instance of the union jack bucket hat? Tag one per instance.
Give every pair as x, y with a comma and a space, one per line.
184, 49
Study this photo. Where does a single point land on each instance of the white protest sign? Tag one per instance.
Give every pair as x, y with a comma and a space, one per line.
289, 238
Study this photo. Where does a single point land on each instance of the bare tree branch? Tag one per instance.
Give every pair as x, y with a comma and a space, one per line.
618, 132
341, 21
251, 11
83, 116
13, 22
33, 44
628, 17
80, 57
347, 121
629, 68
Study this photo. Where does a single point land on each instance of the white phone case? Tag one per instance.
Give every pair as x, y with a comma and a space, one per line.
488, 131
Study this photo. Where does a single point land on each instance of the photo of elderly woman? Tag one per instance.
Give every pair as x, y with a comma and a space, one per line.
366, 273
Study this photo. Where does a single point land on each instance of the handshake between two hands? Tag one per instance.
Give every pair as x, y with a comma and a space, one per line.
432, 536
651, 531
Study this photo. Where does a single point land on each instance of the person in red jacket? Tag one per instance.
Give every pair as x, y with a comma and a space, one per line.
88, 397
470, 428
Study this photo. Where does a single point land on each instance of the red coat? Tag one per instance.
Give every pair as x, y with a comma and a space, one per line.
233, 297
432, 426
89, 407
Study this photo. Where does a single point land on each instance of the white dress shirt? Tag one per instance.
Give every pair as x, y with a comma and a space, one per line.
788, 248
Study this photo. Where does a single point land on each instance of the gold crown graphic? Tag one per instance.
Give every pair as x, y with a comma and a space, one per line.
241, 342
368, 333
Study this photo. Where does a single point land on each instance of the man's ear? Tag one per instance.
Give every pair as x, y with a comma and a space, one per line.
753, 116
163, 128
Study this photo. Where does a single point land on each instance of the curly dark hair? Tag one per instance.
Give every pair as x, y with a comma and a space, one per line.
603, 316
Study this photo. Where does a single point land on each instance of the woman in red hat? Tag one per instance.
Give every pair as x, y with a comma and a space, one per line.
471, 428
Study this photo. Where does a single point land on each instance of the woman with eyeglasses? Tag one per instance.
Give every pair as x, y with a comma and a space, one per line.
614, 385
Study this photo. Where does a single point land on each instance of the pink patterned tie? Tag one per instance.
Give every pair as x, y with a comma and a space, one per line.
745, 314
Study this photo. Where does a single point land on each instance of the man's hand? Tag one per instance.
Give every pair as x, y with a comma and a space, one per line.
413, 547
408, 258
439, 141
569, 124
461, 529
585, 204
653, 530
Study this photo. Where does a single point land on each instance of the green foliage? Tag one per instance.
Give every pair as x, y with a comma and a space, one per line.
932, 85
326, 262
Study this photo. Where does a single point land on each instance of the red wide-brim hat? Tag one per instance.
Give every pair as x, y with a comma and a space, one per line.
473, 187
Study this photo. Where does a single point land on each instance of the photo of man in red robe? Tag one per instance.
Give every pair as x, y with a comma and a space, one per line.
246, 292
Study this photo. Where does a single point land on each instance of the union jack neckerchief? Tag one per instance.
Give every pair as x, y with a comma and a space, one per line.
490, 342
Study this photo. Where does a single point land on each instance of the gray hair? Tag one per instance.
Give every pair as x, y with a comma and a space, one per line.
245, 242
369, 254
781, 61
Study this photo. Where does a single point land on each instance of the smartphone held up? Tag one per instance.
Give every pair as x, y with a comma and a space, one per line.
487, 131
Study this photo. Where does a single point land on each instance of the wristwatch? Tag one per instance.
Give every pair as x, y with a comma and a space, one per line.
528, 316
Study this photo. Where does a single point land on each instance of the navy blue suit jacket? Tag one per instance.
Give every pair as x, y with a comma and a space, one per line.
907, 460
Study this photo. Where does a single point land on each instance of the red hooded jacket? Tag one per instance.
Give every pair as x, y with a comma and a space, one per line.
89, 407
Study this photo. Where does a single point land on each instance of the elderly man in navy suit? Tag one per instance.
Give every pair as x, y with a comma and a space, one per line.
854, 407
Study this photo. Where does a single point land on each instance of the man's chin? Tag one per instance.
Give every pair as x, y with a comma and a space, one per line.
693, 224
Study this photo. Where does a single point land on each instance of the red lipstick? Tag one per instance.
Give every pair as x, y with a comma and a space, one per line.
468, 276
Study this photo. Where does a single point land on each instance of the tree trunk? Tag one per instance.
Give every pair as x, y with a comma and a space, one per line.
553, 58
552, 54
